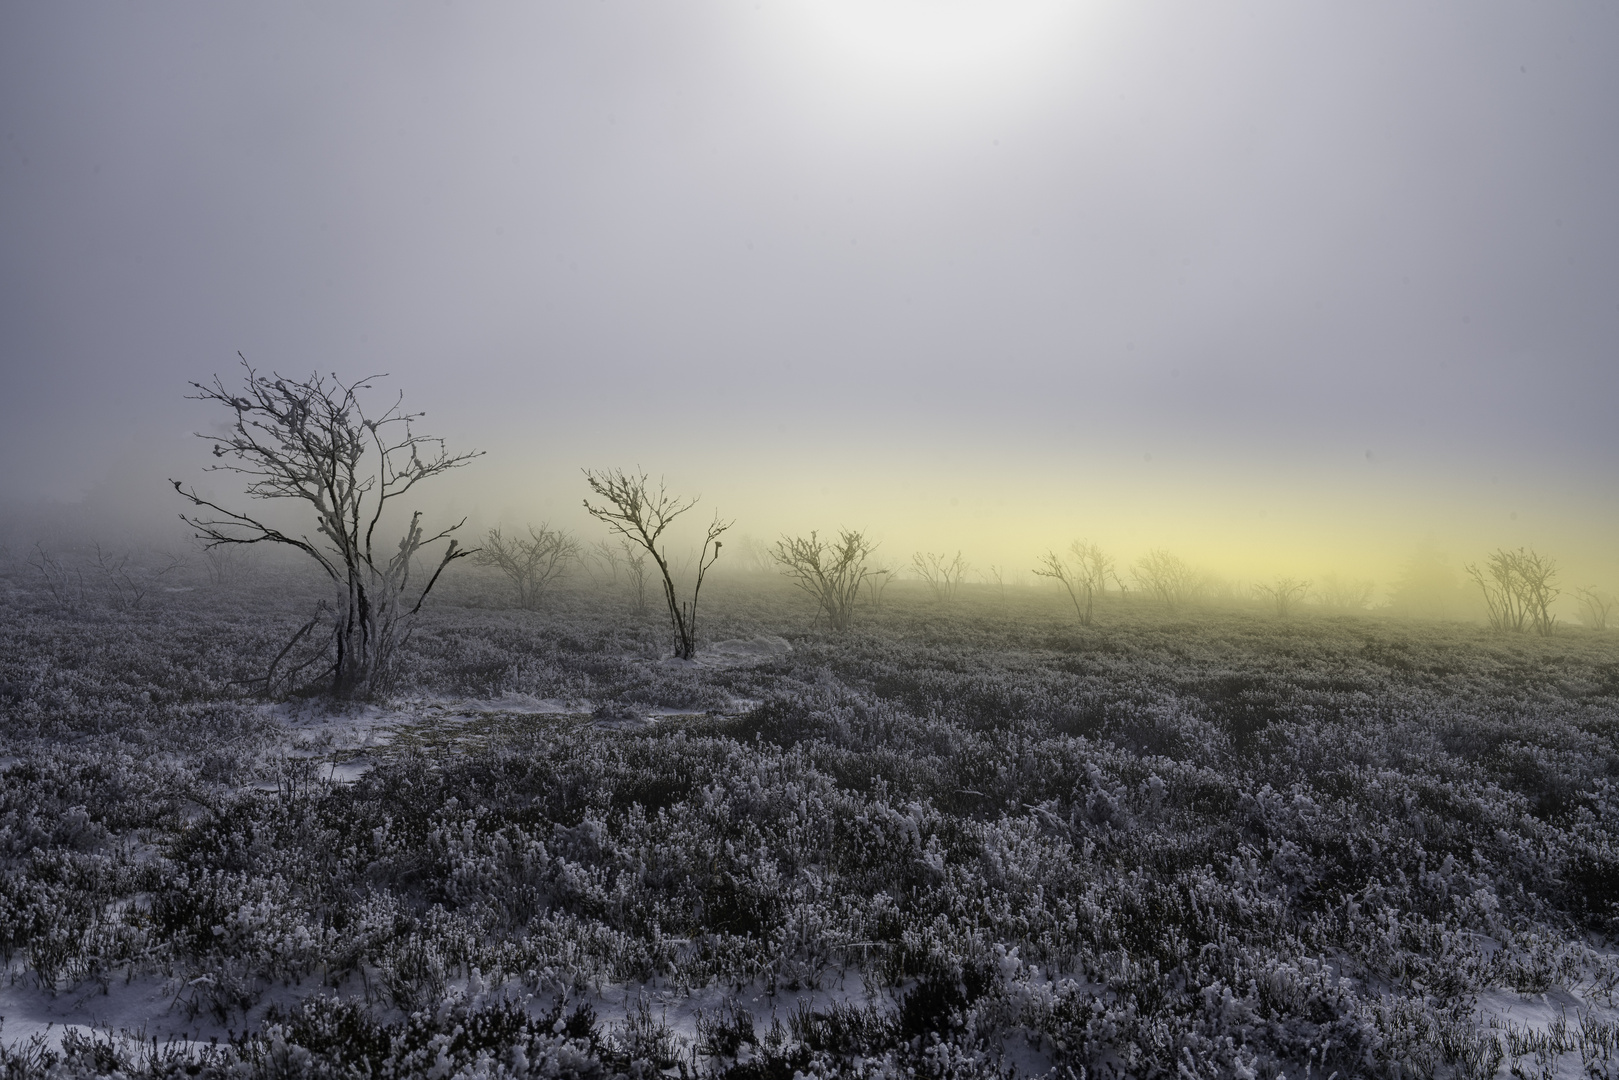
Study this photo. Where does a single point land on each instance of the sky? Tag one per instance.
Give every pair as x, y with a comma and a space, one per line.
1278, 286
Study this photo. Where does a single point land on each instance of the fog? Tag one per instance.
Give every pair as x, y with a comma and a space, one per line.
1280, 289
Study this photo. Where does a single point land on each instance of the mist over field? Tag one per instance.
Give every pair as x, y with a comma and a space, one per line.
956, 539
1260, 284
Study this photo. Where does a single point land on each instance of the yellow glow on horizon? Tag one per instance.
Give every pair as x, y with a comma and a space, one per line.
1242, 526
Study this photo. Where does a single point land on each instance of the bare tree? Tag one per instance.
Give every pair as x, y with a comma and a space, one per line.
126, 586
1539, 576
1054, 566
635, 570
112, 579
831, 572
311, 441
1343, 594
758, 557
640, 515
1167, 577
1595, 607
1092, 565
1283, 593
882, 574
64, 583
1085, 577
995, 576
533, 563
1503, 599
227, 566
1518, 587
605, 553
943, 575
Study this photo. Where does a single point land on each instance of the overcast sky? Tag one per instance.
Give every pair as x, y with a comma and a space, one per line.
992, 266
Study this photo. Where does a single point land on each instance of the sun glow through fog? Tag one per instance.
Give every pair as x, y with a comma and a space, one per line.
874, 56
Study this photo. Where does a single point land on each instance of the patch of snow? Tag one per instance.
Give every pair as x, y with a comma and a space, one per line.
738, 652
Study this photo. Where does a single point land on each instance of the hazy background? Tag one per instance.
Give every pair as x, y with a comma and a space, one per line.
1281, 287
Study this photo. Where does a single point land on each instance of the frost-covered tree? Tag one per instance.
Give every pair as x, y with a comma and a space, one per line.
310, 441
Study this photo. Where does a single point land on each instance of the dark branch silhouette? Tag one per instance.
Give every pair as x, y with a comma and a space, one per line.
310, 441
640, 515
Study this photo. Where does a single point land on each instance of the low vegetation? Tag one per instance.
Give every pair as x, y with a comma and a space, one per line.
959, 841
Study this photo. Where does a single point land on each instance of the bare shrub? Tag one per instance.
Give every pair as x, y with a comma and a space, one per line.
603, 560
830, 571
1084, 577
1283, 593
1595, 606
110, 579
1518, 587
757, 557
882, 575
640, 515
228, 566
311, 441
1168, 577
635, 571
1343, 594
942, 574
533, 564
63, 583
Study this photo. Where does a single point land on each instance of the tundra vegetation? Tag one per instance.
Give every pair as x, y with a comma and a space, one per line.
967, 841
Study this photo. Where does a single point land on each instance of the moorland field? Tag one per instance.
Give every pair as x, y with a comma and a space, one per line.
958, 840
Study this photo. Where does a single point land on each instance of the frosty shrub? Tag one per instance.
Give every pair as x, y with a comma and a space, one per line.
310, 442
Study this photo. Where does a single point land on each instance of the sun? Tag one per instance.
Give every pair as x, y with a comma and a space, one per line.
942, 40
878, 55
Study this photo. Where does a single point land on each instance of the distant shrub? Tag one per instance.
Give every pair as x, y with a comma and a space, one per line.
831, 572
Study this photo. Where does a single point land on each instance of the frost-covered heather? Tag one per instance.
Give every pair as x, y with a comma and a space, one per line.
955, 842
